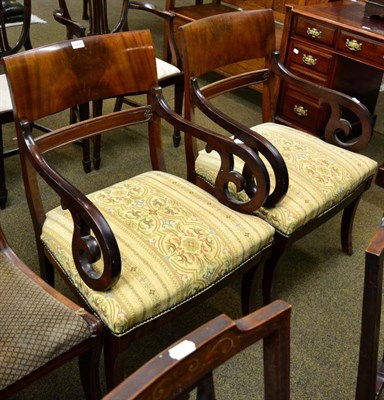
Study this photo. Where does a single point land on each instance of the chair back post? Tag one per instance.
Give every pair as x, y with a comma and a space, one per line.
75, 63
189, 363
251, 36
370, 381
23, 40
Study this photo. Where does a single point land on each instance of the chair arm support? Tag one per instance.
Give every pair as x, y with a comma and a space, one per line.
73, 28
336, 100
254, 178
87, 247
168, 17
251, 138
152, 8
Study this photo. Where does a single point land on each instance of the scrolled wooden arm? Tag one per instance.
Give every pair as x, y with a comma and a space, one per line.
152, 8
251, 138
254, 178
92, 238
336, 100
74, 28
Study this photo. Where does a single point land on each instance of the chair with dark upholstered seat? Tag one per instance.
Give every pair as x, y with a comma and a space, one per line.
191, 361
146, 248
40, 330
324, 178
169, 73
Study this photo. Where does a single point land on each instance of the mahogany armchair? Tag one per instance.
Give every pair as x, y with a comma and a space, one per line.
191, 361
169, 72
41, 330
325, 176
147, 248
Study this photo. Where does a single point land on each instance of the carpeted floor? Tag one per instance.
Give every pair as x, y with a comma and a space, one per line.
323, 285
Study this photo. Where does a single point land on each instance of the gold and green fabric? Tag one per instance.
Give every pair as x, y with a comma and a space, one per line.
175, 240
321, 175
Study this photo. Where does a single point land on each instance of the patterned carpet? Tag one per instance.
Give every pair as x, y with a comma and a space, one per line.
323, 285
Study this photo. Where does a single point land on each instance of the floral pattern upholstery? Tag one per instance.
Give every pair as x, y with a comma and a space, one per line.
175, 241
321, 175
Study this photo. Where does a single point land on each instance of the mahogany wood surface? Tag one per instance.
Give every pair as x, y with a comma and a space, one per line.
370, 377
88, 350
107, 58
348, 57
250, 34
176, 370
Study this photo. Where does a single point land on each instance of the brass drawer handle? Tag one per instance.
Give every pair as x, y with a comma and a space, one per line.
353, 45
314, 32
300, 111
309, 59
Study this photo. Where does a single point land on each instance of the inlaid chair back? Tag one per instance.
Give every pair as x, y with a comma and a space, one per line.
168, 73
191, 361
150, 246
9, 44
324, 176
41, 330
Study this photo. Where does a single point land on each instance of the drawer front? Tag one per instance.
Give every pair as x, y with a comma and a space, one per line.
302, 111
314, 31
360, 47
309, 58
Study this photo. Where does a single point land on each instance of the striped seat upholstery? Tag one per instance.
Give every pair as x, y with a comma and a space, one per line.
174, 245
320, 175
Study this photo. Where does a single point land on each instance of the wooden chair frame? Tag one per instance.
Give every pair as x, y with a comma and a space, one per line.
87, 248
370, 376
88, 351
270, 78
168, 376
99, 25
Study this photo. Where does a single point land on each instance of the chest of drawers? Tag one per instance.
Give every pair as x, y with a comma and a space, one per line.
335, 46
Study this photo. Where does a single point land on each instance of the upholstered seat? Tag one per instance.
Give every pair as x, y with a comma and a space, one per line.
323, 175
30, 338
178, 232
320, 176
150, 246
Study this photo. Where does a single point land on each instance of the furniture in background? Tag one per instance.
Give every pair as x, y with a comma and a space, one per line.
10, 46
324, 176
335, 46
169, 73
370, 376
145, 249
41, 330
188, 13
190, 362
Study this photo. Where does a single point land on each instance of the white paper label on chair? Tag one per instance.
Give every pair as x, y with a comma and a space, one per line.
77, 44
182, 349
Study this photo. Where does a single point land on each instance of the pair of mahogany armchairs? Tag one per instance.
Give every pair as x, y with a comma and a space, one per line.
169, 73
149, 247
